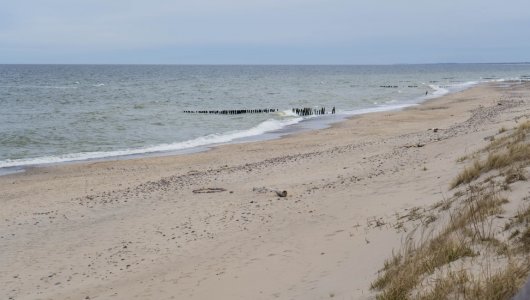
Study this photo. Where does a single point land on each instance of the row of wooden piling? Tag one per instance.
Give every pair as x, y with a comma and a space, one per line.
233, 111
311, 111
304, 111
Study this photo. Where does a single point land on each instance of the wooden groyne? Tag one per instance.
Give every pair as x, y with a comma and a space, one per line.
311, 111
308, 111
303, 111
233, 111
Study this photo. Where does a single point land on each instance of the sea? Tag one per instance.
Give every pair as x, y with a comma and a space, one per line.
66, 113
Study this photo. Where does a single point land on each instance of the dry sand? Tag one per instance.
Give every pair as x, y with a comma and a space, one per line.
134, 229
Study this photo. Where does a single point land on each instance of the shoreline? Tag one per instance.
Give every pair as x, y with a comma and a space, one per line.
143, 227
320, 123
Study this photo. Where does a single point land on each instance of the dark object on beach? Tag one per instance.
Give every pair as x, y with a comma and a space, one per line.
333, 110
281, 194
209, 190
418, 145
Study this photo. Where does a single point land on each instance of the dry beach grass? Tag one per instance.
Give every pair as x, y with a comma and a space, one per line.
474, 256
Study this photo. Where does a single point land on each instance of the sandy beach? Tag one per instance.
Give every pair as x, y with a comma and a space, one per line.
210, 225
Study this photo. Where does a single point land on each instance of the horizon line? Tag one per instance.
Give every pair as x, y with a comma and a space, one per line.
272, 64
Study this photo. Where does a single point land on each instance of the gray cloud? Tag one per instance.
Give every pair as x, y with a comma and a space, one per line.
397, 31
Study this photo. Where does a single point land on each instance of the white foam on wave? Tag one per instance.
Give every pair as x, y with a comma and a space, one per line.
438, 91
463, 85
288, 113
208, 140
508, 79
379, 108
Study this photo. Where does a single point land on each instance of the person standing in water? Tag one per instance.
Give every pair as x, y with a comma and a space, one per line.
333, 110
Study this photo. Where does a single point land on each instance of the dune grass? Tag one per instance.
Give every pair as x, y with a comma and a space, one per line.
507, 151
405, 270
461, 284
468, 257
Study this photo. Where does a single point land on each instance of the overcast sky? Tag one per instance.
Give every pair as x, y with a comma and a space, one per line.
264, 31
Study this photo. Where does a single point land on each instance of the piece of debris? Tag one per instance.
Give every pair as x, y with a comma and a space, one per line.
281, 194
263, 190
209, 190
418, 145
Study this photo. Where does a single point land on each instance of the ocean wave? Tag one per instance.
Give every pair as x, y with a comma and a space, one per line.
441, 90
204, 141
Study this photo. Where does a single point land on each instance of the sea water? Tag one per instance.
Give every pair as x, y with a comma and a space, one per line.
62, 113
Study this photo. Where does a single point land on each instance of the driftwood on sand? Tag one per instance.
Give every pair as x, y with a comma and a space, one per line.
209, 190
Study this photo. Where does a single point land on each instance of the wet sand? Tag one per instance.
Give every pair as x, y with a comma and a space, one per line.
211, 226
